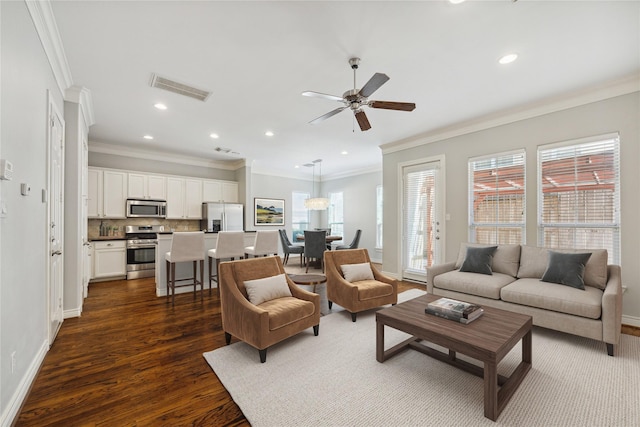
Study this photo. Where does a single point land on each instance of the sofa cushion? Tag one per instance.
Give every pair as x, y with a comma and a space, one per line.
566, 269
478, 260
267, 288
472, 283
506, 258
533, 263
564, 299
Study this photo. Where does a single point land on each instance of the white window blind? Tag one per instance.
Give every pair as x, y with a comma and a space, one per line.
299, 214
579, 195
497, 199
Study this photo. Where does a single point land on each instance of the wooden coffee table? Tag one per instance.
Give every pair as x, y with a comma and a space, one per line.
487, 339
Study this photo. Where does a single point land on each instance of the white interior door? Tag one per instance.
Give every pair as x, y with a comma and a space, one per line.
56, 223
422, 225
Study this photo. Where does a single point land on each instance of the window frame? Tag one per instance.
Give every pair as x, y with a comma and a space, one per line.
584, 144
496, 161
302, 195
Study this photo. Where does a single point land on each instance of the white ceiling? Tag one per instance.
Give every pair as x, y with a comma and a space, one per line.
258, 57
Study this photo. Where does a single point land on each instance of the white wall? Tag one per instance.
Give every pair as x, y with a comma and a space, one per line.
359, 203
618, 114
26, 78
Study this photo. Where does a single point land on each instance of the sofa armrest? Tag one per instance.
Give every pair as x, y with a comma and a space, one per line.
612, 306
435, 270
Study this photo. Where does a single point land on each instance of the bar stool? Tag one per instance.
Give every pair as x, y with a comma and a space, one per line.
186, 246
230, 245
266, 243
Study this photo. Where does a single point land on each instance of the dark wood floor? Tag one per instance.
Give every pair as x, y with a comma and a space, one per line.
132, 360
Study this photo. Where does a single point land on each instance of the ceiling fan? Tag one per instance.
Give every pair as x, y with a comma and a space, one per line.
355, 99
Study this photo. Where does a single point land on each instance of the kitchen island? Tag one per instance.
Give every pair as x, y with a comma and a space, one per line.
185, 269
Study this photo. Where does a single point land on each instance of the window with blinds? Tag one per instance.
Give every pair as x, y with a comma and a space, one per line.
335, 214
497, 199
579, 195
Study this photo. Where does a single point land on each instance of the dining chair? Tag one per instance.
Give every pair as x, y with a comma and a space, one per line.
315, 244
266, 243
289, 248
354, 243
230, 245
186, 246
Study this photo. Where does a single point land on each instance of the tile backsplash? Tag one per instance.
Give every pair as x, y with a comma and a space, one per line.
115, 227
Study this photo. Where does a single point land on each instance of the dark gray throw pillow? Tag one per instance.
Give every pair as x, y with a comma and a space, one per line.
566, 269
478, 260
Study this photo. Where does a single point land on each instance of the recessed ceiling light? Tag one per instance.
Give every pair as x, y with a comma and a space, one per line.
160, 106
456, 1
269, 133
345, 152
507, 59
214, 136
297, 166
147, 137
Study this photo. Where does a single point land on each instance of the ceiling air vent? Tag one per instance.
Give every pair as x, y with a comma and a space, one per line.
179, 88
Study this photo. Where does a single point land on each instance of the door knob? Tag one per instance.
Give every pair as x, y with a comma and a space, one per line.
56, 253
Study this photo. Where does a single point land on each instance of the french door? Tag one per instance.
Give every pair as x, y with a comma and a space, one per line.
422, 225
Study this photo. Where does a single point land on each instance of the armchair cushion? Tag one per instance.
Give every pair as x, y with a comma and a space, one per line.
266, 289
357, 272
287, 310
370, 289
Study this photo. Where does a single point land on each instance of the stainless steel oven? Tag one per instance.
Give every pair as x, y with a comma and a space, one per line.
142, 241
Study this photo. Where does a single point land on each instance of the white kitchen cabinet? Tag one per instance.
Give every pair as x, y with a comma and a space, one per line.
109, 259
211, 190
230, 192
184, 198
107, 193
193, 198
144, 186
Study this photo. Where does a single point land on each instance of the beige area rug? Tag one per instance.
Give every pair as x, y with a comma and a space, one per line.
334, 380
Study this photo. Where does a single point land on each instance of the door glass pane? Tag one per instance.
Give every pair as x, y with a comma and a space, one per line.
421, 223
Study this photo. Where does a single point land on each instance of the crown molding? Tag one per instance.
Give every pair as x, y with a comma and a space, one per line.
124, 151
47, 29
82, 96
611, 89
325, 177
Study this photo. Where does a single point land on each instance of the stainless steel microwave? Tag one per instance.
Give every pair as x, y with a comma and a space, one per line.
139, 208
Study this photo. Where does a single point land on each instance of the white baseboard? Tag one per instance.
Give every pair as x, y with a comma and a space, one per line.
74, 312
21, 392
631, 321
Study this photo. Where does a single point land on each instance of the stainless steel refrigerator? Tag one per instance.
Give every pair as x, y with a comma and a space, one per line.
222, 217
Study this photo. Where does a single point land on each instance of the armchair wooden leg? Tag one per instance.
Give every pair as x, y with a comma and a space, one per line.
316, 329
353, 316
330, 304
227, 337
263, 355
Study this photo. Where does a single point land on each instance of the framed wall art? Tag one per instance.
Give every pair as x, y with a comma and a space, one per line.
268, 211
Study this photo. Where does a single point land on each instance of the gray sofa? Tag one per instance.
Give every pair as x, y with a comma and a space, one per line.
515, 285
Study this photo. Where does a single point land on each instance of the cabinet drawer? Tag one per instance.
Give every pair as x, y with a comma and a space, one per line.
112, 244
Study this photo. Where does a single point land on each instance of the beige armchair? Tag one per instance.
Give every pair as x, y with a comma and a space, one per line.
358, 295
266, 323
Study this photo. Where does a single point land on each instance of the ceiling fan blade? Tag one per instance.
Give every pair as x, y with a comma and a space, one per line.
361, 117
389, 105
322, 95
373, 84
326, 116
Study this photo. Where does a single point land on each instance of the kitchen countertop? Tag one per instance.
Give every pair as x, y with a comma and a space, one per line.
103, 238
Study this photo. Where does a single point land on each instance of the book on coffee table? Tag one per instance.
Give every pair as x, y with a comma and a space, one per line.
448, 308
456, 318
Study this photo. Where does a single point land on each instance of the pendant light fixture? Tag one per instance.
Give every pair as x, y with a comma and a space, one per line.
316, 203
